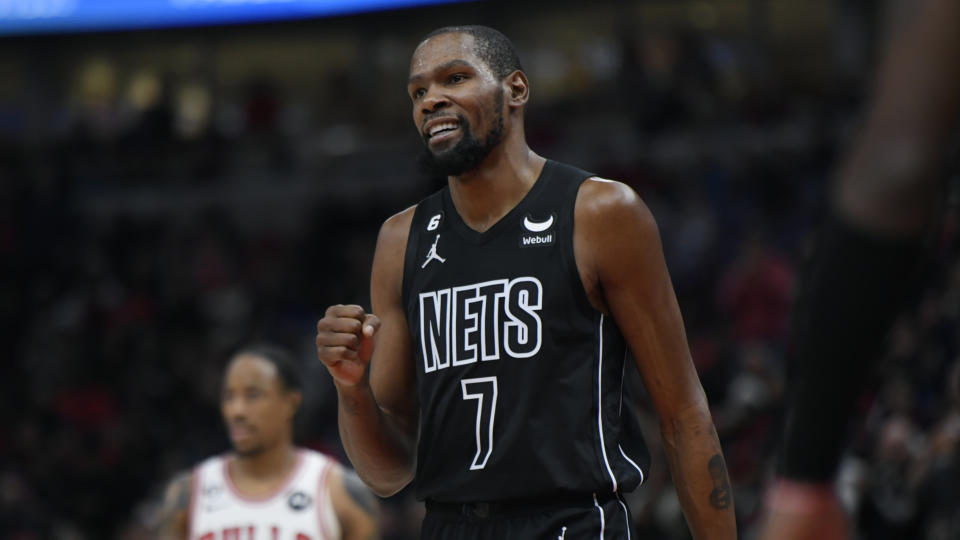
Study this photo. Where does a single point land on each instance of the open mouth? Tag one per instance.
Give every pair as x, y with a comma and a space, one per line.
441, 129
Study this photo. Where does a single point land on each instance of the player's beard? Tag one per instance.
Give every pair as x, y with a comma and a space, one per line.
469, 152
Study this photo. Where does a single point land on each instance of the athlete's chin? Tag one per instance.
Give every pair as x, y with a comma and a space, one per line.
445, 158
247, 448
439, 148
453, 162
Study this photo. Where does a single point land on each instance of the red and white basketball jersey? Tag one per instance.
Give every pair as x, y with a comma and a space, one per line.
298, 510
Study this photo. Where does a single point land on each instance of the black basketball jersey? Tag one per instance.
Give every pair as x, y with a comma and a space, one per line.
520, 379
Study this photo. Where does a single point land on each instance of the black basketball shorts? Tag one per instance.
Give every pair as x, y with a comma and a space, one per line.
574, 518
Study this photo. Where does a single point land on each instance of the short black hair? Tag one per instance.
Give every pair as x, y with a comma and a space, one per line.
492, 47
288, 370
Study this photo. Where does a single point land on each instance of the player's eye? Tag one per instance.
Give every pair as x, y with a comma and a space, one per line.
456, 78
418, 93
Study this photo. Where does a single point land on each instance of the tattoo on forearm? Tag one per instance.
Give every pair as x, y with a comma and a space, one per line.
720, 497
359, 492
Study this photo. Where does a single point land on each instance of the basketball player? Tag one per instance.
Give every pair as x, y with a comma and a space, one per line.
491, 371
886, 199
267, 489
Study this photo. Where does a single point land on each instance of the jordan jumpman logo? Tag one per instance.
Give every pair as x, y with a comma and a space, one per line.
432, 254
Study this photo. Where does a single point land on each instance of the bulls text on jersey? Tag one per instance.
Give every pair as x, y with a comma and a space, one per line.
250, 533
480, 322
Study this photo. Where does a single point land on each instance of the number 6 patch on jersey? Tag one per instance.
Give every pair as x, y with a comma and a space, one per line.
434, 222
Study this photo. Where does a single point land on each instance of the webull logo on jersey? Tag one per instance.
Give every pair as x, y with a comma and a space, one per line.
537, 233
480, 322
531, 240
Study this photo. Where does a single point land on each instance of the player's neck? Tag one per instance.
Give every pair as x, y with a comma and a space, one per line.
486, 194
271, 464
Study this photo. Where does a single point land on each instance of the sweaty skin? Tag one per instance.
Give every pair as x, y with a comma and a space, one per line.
621, 263
620, 259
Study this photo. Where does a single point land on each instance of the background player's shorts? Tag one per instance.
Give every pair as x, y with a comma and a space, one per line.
604, 518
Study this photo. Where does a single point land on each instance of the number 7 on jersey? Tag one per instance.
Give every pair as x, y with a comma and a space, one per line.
483, 390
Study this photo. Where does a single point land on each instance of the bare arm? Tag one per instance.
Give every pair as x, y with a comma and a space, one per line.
355, 505
370, 359
174, 513
620, 258
891, 177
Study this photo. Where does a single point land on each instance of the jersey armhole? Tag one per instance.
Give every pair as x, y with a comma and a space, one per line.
409, 256
568, 252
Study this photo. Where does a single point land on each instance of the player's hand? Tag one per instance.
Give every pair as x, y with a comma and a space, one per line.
345, 343
803, 511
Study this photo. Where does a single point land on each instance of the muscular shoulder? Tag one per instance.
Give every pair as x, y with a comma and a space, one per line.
615, 238
388, 258
396, 228
607, 203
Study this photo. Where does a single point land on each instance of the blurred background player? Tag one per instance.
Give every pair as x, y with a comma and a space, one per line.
888, 196
266, 488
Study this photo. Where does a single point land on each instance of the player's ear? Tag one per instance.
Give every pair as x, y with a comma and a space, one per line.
294, 400
518, 88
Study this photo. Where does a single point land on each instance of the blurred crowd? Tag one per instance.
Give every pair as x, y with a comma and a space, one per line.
152, 222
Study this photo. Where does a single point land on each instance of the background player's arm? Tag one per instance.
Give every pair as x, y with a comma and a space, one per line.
174, 512
355, 505
373, 372
618, 251
891, 179
886, 196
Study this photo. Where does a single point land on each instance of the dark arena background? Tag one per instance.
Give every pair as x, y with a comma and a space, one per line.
177, 180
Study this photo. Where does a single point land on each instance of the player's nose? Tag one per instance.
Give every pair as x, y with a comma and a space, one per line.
234, 410
433, 101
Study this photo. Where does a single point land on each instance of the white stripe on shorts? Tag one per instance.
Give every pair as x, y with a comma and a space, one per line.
603, 523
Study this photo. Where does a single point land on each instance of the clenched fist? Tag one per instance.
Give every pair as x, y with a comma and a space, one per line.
345, 343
